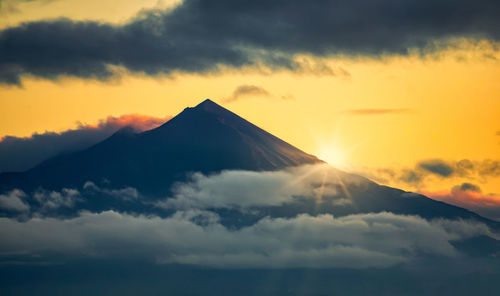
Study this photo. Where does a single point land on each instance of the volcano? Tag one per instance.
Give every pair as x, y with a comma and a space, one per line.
207, 138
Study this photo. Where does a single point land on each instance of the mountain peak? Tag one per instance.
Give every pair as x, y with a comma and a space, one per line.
211, 106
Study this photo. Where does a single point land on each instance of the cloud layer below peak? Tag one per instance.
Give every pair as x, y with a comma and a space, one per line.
355, 241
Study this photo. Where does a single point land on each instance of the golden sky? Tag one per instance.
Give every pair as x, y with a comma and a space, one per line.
368, 113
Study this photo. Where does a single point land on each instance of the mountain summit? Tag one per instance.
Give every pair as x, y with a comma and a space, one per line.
207, 138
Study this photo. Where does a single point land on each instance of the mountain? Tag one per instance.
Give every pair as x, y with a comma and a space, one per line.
207, 138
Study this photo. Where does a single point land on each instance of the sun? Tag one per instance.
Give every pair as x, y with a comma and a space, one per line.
332, 155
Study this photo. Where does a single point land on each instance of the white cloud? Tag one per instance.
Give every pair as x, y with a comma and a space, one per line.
126, 193
196, 237
240, 189
55, 199
12, 201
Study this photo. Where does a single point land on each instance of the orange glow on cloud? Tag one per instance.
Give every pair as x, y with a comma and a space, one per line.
138, 122
463, 198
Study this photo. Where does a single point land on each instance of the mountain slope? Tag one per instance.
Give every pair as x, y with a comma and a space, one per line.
206, 138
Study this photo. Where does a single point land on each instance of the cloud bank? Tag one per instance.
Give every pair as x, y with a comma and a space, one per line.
356, 241
20, 154
200, 36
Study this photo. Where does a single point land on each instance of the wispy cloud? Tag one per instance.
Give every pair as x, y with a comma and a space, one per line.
438, 168
376, 111
246, 90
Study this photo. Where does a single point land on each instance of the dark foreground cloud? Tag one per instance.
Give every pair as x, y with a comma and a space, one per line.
19, 154
199, 36
355, 241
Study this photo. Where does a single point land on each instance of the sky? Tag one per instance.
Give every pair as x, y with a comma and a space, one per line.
405, 93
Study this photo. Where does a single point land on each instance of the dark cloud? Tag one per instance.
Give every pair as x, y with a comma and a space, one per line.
19, 154
469, 187
199, 36
246, 90
377, 111
437, 167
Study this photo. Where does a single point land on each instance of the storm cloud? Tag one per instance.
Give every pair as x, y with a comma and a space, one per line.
20, 154
200, 36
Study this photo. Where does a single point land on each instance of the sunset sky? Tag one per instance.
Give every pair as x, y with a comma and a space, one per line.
414, 103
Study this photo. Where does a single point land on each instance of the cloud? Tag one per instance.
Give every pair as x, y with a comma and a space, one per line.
11, 6
247, 189
247, 90
469, 187
437, 167
377, 111
201, 36
469, 196
52, 200
20, 154
13, 201
471, 170
355, 241
126, 193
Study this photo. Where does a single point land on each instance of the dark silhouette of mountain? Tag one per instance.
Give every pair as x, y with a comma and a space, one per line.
207, 138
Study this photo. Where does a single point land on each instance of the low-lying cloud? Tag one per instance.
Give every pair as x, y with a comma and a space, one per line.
126, 193
244, 189
14, 201
355, 241
20, 154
